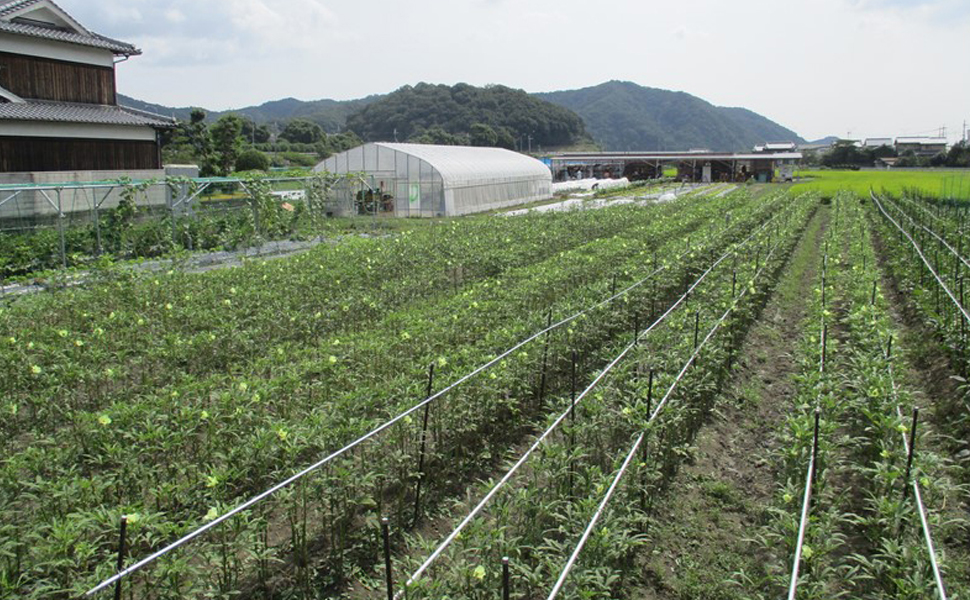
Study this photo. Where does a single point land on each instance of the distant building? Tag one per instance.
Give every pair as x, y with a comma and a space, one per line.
781, 147
58, 101
776, 147
876, 142
922, 146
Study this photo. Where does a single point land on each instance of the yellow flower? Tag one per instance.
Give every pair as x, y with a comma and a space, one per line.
211, 481
442, 361
282, 433
12, 340
133, 518
479, 572
243, 386
62, 333
36, 370
104, 420
212, 514
168, 306
78, 343
204, 416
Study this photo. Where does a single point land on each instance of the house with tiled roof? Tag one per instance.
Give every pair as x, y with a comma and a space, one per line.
58, 101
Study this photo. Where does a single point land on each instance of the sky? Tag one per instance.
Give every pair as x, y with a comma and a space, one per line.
851, 68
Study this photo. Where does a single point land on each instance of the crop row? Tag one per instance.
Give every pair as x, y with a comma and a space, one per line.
863, 539
195, 445
80, 350
537, 520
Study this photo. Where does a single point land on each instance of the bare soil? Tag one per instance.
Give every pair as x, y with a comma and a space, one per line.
701, 539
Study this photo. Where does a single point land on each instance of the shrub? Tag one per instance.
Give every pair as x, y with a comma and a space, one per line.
252, 160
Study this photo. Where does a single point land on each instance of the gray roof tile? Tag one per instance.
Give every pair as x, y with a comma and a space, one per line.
65, 112
94, 40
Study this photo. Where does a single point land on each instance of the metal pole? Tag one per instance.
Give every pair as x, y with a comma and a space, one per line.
818, 414
912, 450
121, 554
386, 534
424, 437
545, 356
505, 578
60, 229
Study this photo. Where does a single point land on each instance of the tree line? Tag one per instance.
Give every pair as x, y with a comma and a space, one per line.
233, 143
846, 154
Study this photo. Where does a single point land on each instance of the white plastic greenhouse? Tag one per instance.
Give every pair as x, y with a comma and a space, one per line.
431, 181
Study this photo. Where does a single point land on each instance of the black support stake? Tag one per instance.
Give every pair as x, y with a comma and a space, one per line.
386, 534
572, 421
889, 348
122, 543
873, 300
424, 439
505, 578
818, 414
912, 450
697, 324
825, 343
545, 356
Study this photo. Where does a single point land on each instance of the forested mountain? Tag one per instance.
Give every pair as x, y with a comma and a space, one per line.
331, 115
621, 116
617, 115
463, 114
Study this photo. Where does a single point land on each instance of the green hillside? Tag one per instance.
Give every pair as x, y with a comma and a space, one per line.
463, 114
621, 116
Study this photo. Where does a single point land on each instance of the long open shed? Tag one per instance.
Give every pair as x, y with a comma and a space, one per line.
430, 181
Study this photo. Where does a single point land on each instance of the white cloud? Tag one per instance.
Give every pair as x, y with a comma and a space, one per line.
820, 67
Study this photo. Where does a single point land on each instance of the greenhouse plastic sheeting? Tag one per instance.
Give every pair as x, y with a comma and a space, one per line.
426, 180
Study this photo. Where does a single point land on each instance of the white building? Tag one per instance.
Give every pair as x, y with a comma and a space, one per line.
432, 181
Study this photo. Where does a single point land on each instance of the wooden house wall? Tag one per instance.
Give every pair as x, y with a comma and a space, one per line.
23, 154
48, 79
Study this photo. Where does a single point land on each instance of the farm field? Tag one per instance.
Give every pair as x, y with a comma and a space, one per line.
935, 183
710, 397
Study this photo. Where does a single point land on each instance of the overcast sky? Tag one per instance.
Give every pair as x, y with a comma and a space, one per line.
819, 67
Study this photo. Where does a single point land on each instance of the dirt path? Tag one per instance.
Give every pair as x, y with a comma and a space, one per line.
700, 539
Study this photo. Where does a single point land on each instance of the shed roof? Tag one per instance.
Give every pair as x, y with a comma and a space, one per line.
73, 33
921, 140
41, 110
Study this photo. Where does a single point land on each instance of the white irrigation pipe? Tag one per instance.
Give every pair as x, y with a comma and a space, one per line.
919, 498
963, 311
802, 526
373, 433
564, 574
555, 424
931, 232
